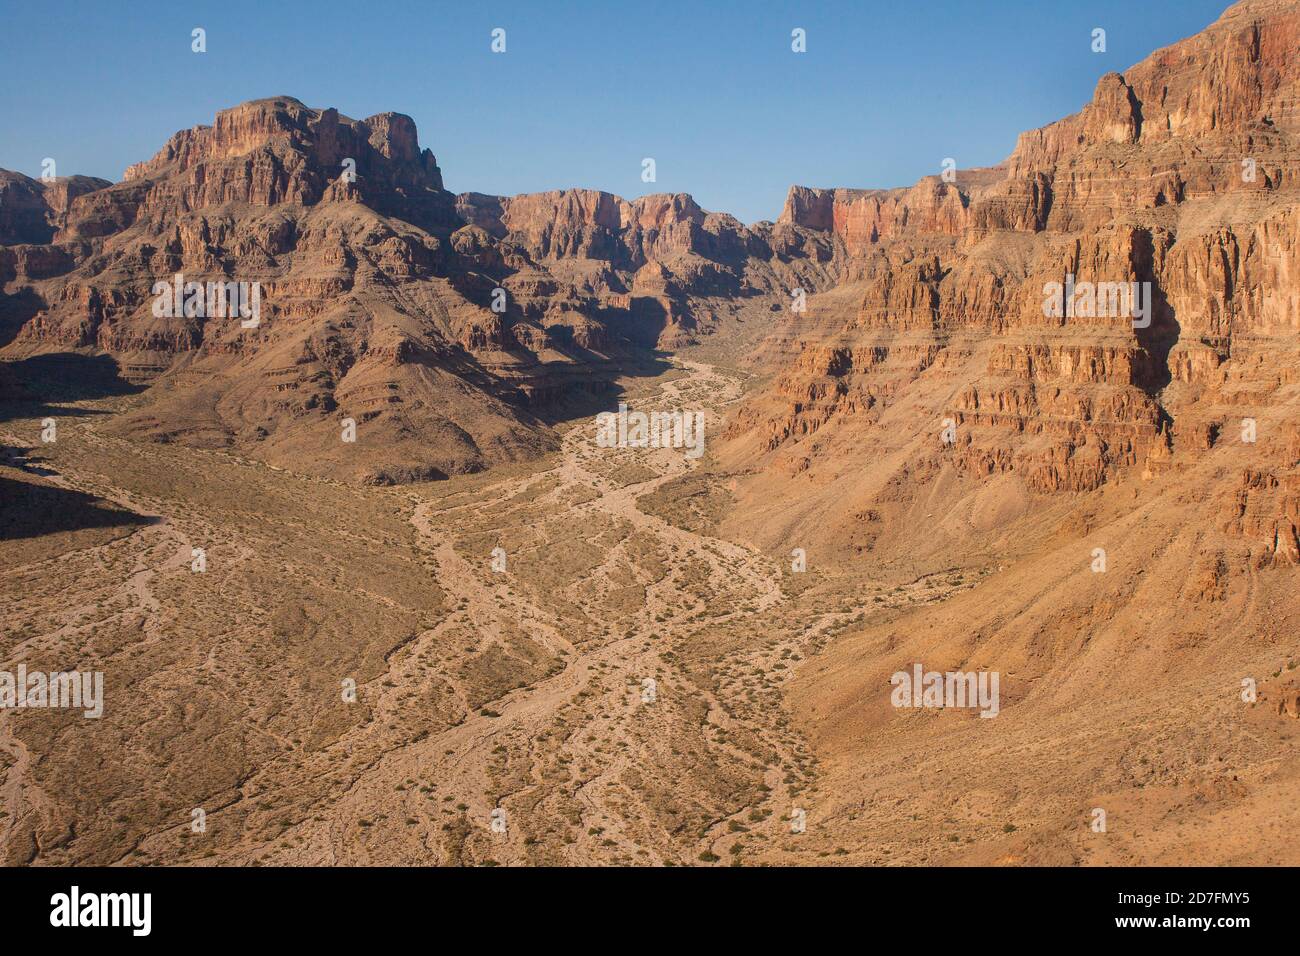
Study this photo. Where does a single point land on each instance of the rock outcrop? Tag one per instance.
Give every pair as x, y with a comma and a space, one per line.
33, 210
946, 360
445, 326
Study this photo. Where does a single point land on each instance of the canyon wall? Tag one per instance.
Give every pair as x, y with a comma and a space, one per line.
1116, 497
452, 329
941, 356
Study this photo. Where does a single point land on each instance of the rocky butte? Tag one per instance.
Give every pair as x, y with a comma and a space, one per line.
378, 290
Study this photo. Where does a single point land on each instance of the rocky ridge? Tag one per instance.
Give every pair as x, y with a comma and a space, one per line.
378, 291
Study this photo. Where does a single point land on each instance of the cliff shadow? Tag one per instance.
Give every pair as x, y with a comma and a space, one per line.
16, 310
1160, 336
639, 322
32, 386
33, 509
585, 396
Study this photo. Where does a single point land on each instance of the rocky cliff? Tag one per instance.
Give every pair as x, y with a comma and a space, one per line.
1116, 495
33, 210
945, 360
451, 329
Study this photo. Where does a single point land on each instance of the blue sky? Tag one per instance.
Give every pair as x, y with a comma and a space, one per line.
584, 91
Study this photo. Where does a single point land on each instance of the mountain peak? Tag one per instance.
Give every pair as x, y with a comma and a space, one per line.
385, 145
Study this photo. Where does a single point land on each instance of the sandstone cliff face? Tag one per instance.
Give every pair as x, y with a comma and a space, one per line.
274, 151
658, 267
443, 325
32, 210
1180, 174
343, 226
1124, 497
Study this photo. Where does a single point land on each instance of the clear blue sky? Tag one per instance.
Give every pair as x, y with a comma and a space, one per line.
584, 91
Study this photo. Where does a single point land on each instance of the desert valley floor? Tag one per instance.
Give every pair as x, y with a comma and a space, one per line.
525, 691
